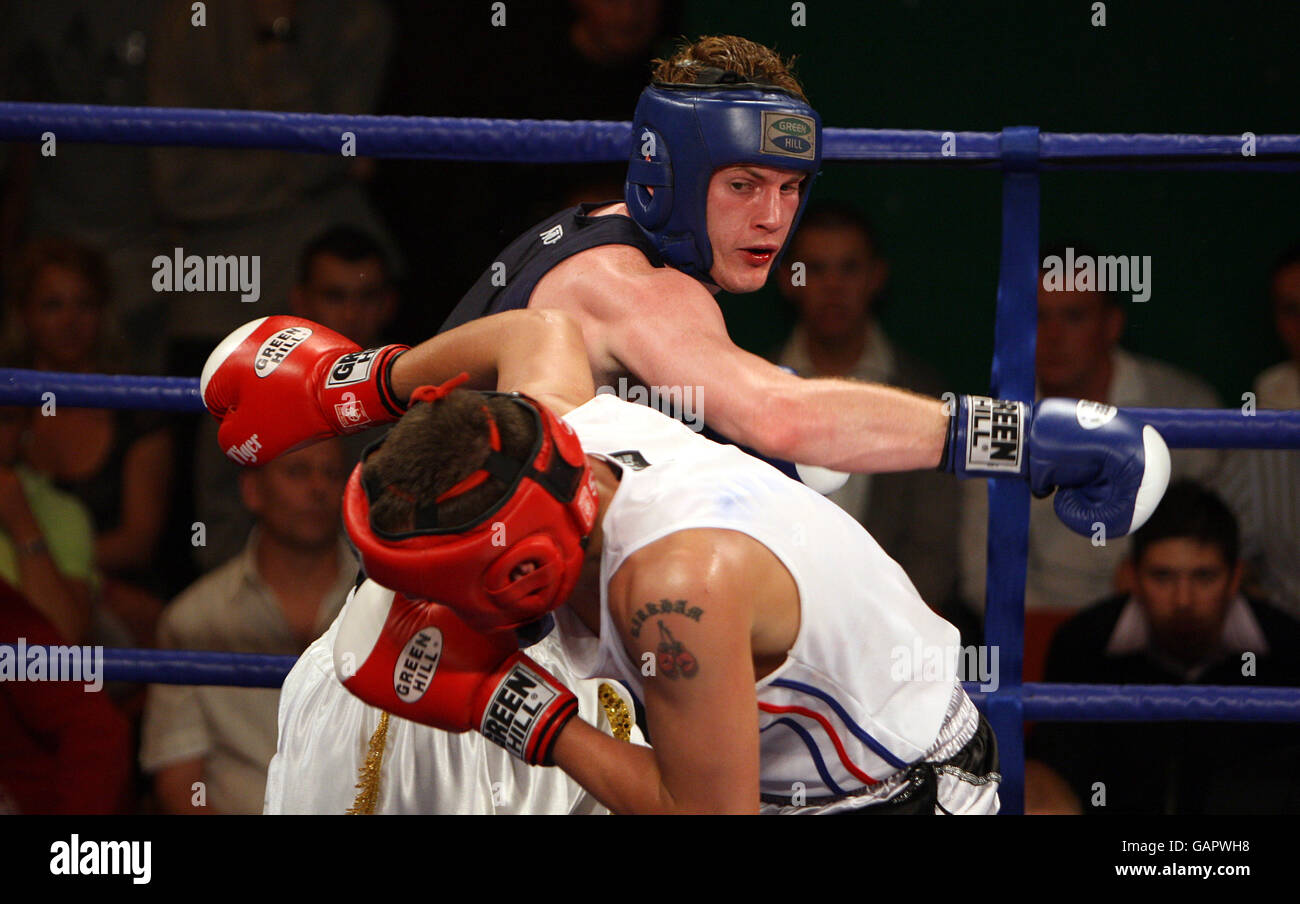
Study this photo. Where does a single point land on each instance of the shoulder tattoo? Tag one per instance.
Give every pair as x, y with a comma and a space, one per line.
663, 607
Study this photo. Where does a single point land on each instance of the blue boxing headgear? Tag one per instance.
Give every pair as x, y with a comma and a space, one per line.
689, 130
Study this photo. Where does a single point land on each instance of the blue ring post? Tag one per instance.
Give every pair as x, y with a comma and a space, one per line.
1015, 330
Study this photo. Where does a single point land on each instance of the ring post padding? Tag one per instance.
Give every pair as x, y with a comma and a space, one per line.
1015, 328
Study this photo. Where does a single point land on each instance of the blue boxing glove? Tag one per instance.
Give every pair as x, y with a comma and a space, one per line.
1110, 468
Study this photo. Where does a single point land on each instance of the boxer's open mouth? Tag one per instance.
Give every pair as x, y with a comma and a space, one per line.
760, 254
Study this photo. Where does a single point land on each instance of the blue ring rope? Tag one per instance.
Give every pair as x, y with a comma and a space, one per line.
553, 141
1042, 702
1182, 428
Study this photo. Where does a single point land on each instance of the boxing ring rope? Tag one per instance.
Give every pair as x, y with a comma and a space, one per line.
555, 141
1046, 702
1020, 152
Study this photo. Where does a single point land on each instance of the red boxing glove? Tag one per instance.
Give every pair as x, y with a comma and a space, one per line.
420, 661
280, 383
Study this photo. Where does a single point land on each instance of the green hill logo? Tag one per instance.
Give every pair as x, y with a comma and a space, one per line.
789, 135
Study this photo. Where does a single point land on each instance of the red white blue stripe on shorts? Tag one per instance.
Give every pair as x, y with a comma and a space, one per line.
814, 749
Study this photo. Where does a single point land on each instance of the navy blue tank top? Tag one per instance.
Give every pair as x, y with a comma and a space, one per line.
508, 283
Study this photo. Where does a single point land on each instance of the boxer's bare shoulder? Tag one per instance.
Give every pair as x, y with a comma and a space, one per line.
605, 286
660, 578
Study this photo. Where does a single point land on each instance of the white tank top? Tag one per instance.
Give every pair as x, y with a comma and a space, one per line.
869, 686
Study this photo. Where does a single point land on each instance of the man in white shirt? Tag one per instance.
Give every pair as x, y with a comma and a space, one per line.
1263, 485
1079, 355
208, 747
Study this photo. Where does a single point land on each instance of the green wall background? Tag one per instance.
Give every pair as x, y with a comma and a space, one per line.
1195, 66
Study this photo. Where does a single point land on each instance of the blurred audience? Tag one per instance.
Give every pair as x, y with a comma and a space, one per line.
1279, 385
72, 52
912, 515
208, 748
602, 62
1263, 485
1079, 356
63, 750
117, 462
345, 283
1185, 622
554, 59
322, 56
47, 544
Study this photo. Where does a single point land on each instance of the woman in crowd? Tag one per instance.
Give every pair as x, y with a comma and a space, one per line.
118, 463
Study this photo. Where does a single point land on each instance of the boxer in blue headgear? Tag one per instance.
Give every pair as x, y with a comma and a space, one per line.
724, 149
682, 133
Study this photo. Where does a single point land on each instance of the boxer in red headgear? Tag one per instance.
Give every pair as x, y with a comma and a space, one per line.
505, 566
547, 510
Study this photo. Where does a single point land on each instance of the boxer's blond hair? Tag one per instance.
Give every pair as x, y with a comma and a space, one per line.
748, 59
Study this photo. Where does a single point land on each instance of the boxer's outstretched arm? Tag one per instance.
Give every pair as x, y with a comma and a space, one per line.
669, 332
280, 383
699, 682
540, 353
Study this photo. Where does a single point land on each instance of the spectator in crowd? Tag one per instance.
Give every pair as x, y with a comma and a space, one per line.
46, 543
1185, 622
208, 748
834, 275
326, 56
344, 283
1263, 485
71, 52
64, 749
1079, 356
117, 462
1279, 385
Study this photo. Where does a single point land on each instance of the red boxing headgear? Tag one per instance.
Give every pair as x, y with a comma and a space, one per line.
545, 516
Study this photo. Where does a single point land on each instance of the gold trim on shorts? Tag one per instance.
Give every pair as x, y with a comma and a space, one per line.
368, 786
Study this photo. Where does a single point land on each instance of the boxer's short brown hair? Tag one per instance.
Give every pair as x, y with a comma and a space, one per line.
746, 58
434, 447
